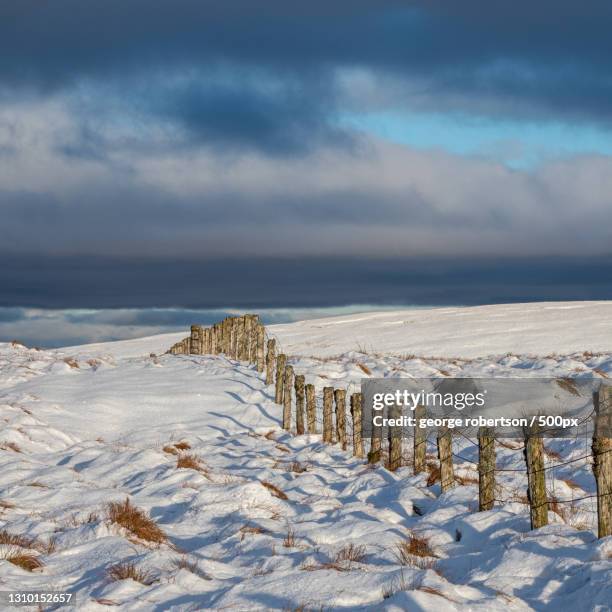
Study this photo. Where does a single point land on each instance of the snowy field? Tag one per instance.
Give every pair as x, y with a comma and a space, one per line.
256, 519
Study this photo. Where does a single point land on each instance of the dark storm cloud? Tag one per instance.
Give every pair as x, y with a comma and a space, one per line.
67, 282
523, 57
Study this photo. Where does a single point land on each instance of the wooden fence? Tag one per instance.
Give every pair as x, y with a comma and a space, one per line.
244, 339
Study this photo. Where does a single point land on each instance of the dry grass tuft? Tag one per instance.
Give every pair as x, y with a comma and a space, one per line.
26, 561
129, 571
72, 362
37, 483
601, 372
7, 505
183, 563
136, 521
414, 552
364, 368
270, 435
297, 467
13, 539
10, 446
466, 480
182, 445
351, 553
170, 450
433, 469
569, 385
188, 461
282, 448
289, 540
247, 529
274, 490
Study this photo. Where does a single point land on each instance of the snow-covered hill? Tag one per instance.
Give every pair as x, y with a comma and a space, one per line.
258, 519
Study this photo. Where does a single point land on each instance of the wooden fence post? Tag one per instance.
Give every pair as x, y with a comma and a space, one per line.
254, 324
356, 415
213, 340
445, 456
270, 361
261, 348
243, 326
420, 441
486, 468
328, 398
195, 345
287, 397
186, 346
281, 362
602, 459
536, 478
394, 434
300, 381
232, 337
340, 397
311, 408
375, 440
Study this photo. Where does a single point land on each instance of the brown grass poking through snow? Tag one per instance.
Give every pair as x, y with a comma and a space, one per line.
414, 551
274, 490
250, 529
433, 470
182, 445
13, 539
170, 450
72, 362
289, 541
135, 521
349, 554
188, 461
24, 560
364, 368
10, 446
569, 385
183, 563
129, 571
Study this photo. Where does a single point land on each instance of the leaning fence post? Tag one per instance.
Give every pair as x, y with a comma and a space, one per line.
394, 433
340, 397
243, 328
445, 456
288, 385
602, 459
356, 414
536, 481
328, 398
486, 468
261, 346
281, 362
311, 408
300, 381
420, 441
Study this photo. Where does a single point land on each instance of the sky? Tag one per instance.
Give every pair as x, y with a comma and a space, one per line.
185, 154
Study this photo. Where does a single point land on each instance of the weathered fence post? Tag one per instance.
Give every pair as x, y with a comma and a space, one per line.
394, 433
311, 408
340, 397
328, 398
254, 324
300, 381
232, 342
602, 459
195, 344
356, 415
244, 326
213, 340
486, 468
281, 362
288, 385
445, 456
261, 347
270, 359
536, 481
420, 441
375, 440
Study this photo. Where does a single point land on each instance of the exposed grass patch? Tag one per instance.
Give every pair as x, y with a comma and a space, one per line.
289, 540
350, 553
183, 563
37, 483
182, 446
274, 490
72, 362
433, 471
569, 385
601, 372
251, 529
10, 446
135, 521
14, 539
26, 561
414, 551
364, 368
129, 571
